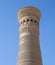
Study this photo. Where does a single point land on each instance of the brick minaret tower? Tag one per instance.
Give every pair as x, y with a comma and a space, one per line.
29, 47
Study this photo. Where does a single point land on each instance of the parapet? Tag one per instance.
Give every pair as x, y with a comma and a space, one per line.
29, 11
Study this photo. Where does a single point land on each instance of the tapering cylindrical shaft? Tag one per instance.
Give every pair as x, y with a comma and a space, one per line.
29, 47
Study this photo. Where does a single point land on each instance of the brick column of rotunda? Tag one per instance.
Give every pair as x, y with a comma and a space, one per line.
29, 46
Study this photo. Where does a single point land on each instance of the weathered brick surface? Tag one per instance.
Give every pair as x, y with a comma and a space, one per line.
29, 47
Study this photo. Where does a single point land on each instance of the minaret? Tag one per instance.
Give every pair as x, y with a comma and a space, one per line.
29, 46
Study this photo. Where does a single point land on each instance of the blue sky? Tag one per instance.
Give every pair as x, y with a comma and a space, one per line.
9, 35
